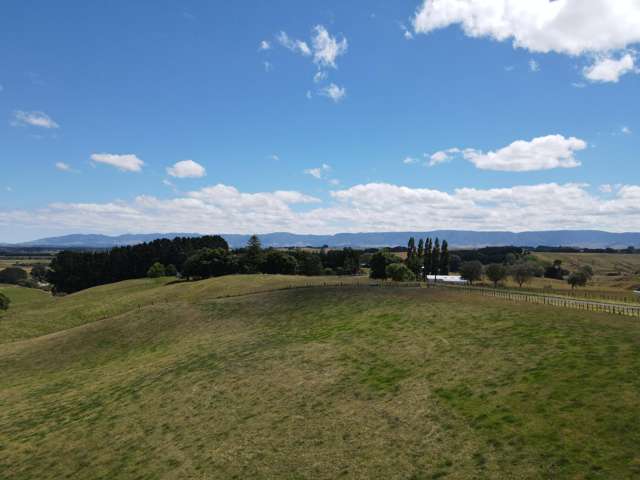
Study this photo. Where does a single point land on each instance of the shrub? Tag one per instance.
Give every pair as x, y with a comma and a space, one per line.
399, 272
577, 279
170, 270
379, 263
156, 270
4, 302
13, 275
39, 272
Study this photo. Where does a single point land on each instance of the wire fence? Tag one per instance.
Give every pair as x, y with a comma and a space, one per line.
553, 300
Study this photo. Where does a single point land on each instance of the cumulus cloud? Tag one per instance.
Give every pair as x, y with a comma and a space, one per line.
534, 66
264, 45
125, 163
297, 46
186, 169
571, 27
327, 48
365, 207
320, 76
34, 119
541, 153
608, 69
334, 92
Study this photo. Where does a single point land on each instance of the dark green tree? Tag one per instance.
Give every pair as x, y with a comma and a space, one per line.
4, 302
428, 255
209, 262
577, 279
411, 248
252, 260
435, 258
379, 263
399, 272
454, 263
471, 271
522, 273
156, 270
13, 275
444, 258
171, 270
420, 249
39, 272
496, 272
278, 262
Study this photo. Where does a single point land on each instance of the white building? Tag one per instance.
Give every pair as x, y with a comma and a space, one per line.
447, 279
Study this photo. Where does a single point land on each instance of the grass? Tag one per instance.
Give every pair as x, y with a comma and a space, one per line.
613, 271
181, 381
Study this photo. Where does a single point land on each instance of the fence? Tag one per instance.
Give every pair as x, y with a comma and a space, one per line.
528, 297
554, 300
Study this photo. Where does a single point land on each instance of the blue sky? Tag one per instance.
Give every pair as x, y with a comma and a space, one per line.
409, 123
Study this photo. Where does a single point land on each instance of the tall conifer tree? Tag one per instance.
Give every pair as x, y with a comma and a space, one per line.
435, 258
444, 258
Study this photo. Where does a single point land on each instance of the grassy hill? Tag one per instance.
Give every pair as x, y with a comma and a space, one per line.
213, 379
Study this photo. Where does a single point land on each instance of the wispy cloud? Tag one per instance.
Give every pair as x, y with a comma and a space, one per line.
34, 119
334, 92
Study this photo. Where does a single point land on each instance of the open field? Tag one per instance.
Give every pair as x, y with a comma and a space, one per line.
612, 271
147, 380
22, 262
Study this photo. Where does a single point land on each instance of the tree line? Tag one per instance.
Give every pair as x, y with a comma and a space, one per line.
192, 258
427, 257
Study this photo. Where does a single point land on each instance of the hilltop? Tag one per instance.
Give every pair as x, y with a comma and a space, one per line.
213, 379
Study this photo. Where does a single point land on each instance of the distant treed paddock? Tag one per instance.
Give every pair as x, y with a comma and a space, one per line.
192, 258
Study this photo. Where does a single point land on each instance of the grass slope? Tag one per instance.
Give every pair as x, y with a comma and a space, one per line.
179, 382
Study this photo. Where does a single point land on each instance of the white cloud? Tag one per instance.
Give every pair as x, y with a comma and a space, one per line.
626, 130
264, 45
606, 188
327, 48
186, 169
64, 167
297, 46
442, 156
534, 66
34, 119
318, 172
578, 84
410, 160
273, 157
268, 66
320, 76
125, 163
541, 153
365, 207
334, 92
571, 27
607, 69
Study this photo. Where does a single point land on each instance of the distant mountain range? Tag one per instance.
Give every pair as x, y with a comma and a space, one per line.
456, 239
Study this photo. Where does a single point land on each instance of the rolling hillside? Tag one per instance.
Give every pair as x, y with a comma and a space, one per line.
211, 379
